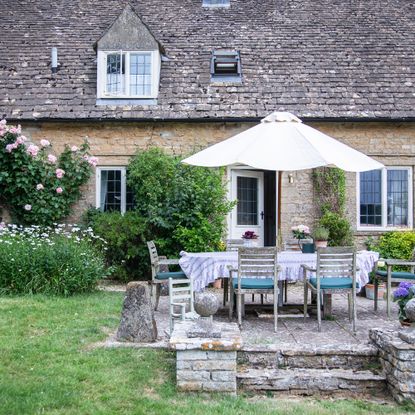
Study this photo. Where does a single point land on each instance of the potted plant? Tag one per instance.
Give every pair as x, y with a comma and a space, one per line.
370, 288
302, 232
320, 236
250, 238
402, 295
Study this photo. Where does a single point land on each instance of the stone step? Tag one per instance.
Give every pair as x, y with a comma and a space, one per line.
313, 382
356, 357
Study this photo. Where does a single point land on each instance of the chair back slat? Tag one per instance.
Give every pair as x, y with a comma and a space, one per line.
257, 262
181, 291
336, 262
154, 258
234, 244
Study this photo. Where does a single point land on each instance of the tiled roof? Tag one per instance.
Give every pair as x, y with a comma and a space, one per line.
315, 58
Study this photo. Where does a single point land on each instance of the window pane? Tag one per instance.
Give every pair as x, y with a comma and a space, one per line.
115, 73
371, 198
110, 197
397, 197
140, 74
247, 195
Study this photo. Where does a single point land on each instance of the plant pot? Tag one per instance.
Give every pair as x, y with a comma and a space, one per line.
307, 248
250, 242
405, 323
320, 244
370, 291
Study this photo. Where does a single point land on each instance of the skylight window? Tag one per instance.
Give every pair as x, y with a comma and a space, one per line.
216, 3
225, 66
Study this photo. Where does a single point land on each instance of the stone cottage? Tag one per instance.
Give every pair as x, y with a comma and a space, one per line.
185, 74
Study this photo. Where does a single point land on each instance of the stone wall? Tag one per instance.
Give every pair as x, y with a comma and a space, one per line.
115, 142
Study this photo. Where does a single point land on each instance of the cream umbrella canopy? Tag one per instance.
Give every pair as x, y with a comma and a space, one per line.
281, 142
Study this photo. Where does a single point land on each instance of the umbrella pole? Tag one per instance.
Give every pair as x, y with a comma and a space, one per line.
279, 235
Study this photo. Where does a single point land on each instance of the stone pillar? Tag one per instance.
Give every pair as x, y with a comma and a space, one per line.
137, 318
205, 364
398, 361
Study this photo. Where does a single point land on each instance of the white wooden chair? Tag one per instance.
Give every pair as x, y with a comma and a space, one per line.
181, 298
335, 273
257, 273
158, 274
234, 244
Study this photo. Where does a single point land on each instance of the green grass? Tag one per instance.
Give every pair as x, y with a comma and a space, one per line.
49, 366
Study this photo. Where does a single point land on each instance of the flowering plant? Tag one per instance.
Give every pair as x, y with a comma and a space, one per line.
249, 235
402, 295
300, 231
36, 186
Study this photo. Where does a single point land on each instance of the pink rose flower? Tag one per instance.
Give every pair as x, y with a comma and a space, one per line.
32, 150
15, 130
28, 207
52, 159
10, 147
44, 143
20, 140
93, 161
74, 149
59, 190
59, 173
3, 122
40, 186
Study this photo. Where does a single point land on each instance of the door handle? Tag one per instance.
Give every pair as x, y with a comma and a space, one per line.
262, 215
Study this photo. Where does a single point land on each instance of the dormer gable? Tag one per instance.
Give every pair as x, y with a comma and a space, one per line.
129, 60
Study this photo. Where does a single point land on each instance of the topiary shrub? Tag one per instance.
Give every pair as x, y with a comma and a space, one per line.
49, 261
340, 232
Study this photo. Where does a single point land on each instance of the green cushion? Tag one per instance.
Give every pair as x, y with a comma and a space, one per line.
166, 275
397, 274
333, 283
254, 283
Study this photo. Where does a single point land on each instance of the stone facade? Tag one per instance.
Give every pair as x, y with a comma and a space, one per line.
392, 143
398, 362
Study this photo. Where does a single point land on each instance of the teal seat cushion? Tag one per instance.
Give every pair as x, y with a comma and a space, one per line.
254, 283
333, 283
166, 275
397, 274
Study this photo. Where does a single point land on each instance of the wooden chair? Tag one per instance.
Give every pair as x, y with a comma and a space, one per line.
158, 274
335, 273
390, 276
257, 273
232, 245
182, 299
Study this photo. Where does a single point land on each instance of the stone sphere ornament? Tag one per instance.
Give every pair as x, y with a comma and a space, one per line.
206, 304
410, 310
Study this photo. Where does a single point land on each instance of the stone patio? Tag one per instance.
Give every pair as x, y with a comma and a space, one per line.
293, 332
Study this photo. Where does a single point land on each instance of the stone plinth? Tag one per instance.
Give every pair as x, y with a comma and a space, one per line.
206, 364
398, 362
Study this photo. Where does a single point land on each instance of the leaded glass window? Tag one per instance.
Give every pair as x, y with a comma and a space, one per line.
140, 74
247, 195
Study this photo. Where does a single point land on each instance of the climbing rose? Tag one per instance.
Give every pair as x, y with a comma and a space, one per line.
93, 161
32, 150
40, 186
59, 190
74, 148
28, 207
52, 159
59, 173
44, 143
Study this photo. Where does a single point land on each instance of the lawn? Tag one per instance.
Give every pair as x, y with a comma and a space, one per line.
48, 365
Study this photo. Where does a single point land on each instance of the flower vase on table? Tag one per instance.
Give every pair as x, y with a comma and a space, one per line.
250, 239
301, 232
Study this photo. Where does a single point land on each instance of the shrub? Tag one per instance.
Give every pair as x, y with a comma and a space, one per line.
50, 261
125, 237
397, 245
320, 234
35, 186
340, 232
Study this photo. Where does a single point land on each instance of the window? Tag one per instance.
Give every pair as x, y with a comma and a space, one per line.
247, 195
385, 198
128, 74
113, 194
216, 3
225, 66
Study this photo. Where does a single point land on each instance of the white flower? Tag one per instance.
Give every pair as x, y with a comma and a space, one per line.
44, 143
28, 207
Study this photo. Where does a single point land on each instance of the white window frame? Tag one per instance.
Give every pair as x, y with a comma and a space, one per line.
123, 170
384, 184
102, 73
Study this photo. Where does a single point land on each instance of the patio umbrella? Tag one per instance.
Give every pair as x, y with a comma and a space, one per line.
281, 142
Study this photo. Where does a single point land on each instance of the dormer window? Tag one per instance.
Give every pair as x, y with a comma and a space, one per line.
216, 3
225, 66
128, 74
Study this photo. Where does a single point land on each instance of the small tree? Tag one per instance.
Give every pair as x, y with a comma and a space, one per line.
36, 186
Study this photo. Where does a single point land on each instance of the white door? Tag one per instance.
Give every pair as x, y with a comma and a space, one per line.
247, 187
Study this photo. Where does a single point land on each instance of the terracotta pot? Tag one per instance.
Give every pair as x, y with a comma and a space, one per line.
320, 244
370, 291
405, 323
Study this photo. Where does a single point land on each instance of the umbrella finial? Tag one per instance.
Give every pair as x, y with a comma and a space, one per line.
281, 117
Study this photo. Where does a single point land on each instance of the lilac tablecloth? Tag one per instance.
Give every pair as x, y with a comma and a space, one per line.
206, 267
